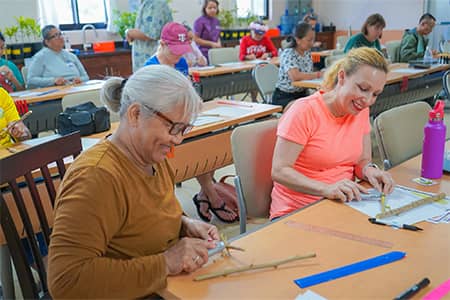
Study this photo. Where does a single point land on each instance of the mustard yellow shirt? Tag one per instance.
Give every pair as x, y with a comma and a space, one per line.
8, 113
112, 224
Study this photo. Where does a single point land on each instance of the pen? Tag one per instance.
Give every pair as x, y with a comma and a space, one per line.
232, 103
48, 92
403, 226
413, 290
209, 115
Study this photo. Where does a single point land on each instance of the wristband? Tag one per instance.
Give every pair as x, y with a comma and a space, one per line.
369, 165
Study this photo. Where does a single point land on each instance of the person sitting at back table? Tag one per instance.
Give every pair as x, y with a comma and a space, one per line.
414, 41
312, 20
257, 45
195, 57
370, 34
323, 141
207, 27
119, 230
174, 44
295, 64
10, 76
53, 65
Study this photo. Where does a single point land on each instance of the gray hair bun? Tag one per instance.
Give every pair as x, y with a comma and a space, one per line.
111, 93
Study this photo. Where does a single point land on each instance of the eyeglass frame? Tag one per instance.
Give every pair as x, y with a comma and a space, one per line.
175, 127
56, 35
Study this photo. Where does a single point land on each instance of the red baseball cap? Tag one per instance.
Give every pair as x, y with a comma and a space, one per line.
175, 35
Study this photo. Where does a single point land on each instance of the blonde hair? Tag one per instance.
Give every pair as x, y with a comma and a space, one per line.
356, 58
157, 86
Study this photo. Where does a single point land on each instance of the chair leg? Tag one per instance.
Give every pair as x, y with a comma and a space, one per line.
6, 273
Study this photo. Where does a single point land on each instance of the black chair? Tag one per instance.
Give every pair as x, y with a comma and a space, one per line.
20, 172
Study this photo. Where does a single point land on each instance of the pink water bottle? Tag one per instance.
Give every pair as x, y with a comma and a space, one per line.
434, 143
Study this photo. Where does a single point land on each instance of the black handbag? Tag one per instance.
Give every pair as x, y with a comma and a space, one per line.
86, 118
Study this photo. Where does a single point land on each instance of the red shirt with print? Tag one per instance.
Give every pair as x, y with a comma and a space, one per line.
251, 46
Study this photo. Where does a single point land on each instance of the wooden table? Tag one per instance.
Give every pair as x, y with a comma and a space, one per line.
208, 147
229, 79
401, 87
427, 255
46, 103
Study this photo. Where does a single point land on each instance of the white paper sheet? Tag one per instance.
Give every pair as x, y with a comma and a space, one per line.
401, 197
229, 111
201, 68
203, 120
407, 70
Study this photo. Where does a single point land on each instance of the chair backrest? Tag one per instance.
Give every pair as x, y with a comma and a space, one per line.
342, 40
329, 60
446, 84
33, 218
399, 132
393, 50
24, 72
444, 46
265, 76
223, 55
252, 147
82, 97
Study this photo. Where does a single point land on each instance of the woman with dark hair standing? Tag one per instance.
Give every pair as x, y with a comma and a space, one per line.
207, 27
10, 76
53, 65
295, 64
370, 34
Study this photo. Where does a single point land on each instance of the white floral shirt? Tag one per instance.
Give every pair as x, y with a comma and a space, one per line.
290, 59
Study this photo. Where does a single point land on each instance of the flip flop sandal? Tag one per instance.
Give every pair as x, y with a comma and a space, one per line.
222, 208
197, 203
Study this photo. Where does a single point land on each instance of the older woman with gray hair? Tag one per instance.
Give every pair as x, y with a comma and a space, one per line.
53, 65
119, 230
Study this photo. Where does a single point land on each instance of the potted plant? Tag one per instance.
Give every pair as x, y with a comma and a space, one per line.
30, 31
123, 21
10, 33
234, 27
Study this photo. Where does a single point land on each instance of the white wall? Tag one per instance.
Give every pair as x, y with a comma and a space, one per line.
399, 14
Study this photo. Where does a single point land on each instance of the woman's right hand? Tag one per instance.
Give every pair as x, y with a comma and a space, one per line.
60, 81
187, 255
344, 190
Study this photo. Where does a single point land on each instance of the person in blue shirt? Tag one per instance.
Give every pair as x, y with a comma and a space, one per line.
173, 44
53, 65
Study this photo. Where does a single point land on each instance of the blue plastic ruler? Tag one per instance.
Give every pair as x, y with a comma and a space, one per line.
340, 234
349, 269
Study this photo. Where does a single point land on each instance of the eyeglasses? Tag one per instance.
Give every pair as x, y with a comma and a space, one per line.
176, 127
56, 35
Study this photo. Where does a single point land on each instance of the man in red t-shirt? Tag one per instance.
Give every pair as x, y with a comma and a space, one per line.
257, 45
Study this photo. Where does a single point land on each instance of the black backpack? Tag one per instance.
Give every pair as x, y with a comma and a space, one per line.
86, 118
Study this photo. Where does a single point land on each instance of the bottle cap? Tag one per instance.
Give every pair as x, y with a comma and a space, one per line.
437, 113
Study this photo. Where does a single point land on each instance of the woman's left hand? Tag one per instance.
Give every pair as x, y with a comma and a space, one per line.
381, 180
199, 229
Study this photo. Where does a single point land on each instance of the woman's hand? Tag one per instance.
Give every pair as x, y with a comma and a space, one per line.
187, 255
344, 190
198, 229
7, 72
382, 181
217, 44
60, 81
76, 80
19, 131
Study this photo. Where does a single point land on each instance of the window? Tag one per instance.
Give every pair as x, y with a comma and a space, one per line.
259, 8
73, 14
